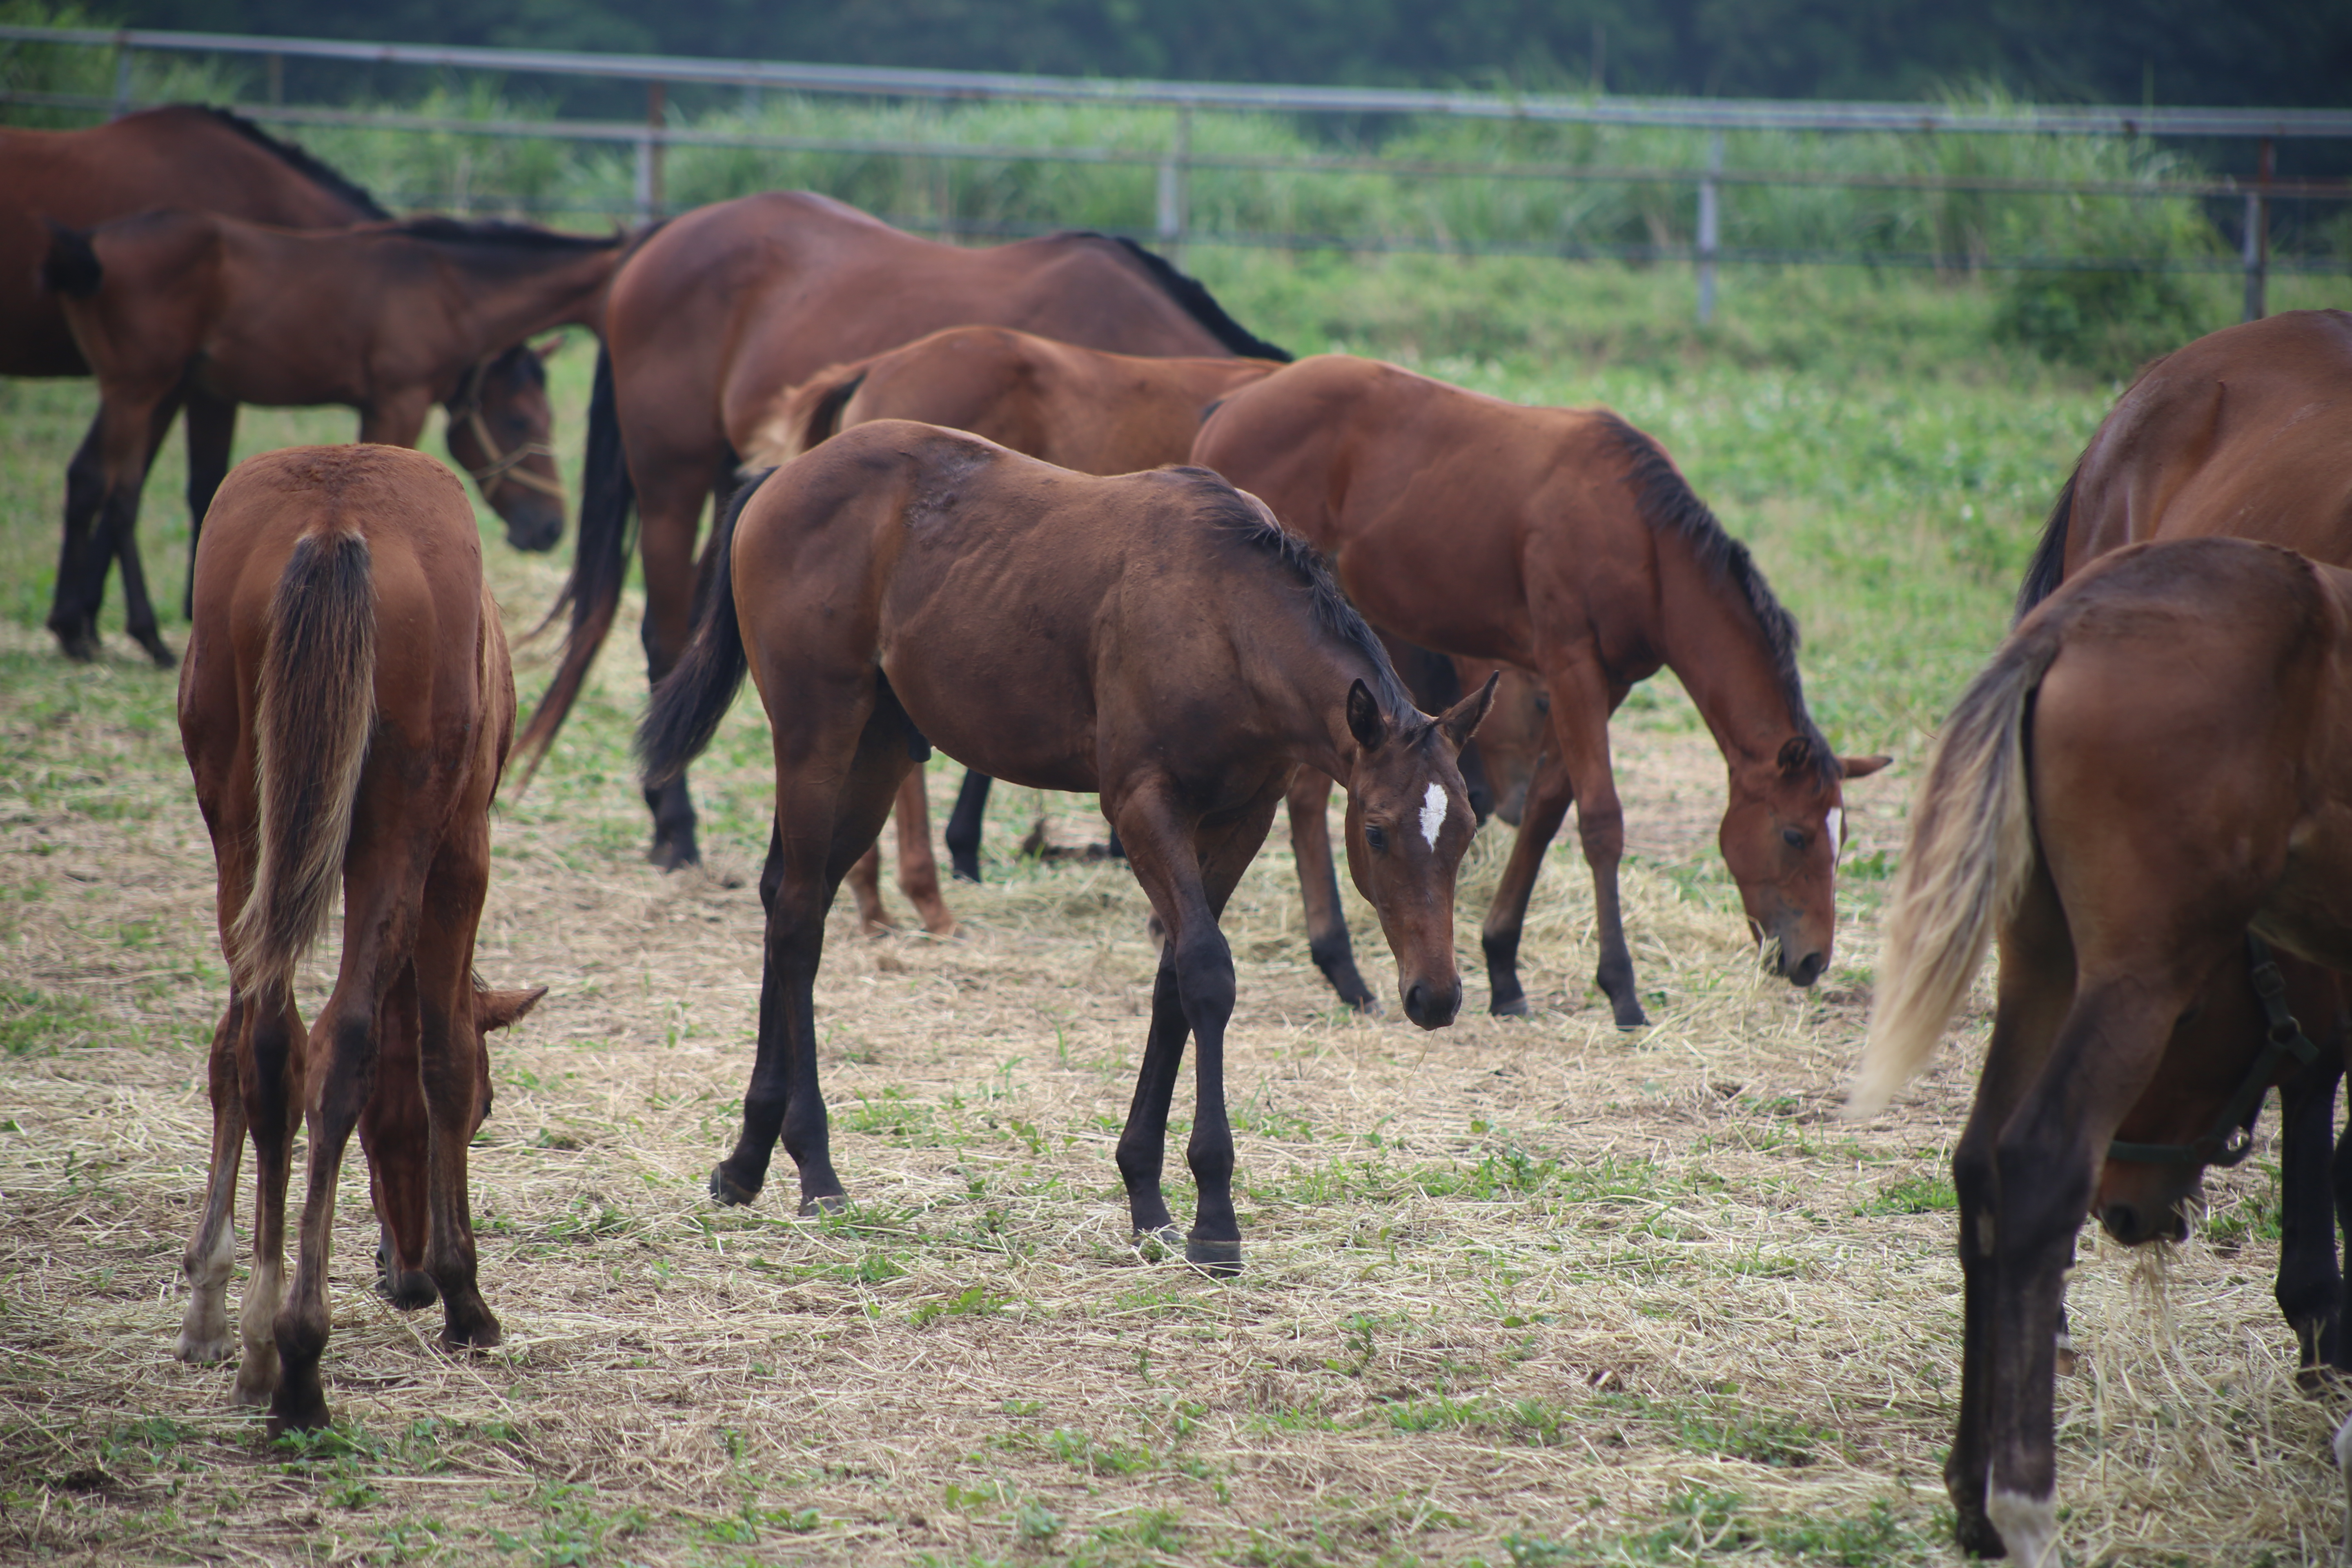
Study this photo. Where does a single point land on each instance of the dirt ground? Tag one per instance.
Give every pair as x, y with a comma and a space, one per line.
1525, 1291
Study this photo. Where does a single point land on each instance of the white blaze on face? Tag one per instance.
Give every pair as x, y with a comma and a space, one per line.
1432, 813
1837, 832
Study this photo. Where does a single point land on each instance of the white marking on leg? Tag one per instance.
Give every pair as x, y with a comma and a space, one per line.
256, 1376
1433, 806
1837, 832
2028, 1526
204, 1331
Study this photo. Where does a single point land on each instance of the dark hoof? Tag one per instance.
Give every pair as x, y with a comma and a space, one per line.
482, 1334
825, 1203
1631, 1016
1508, 1007
303, 1412
78, 644
411, 1290
964, 870
1217, 1259
2317, 1381
729, 1191
674, 854
1973, 1533
158, 650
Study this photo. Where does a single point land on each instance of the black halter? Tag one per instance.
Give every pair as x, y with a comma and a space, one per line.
2231, 1139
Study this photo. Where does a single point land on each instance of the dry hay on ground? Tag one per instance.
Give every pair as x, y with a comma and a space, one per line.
1523, 1291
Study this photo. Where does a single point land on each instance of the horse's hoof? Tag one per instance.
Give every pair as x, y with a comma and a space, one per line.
825, 1203
158, 650
198, 1350
298, 1413
729, 1191
1631, 1016
2315, 1380
1160, 1242
482, 1334
1217, 1259
78, 644
1508, 1007
1973, 1533
409, 1290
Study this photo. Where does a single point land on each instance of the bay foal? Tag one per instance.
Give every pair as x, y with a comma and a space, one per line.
1156, 639
2158, 761
346, 707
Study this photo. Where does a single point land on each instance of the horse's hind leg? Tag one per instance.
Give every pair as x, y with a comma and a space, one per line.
918, 868
1318, 887
865, 881
449, 1049
273, 1075
2036, 987
827, 816
205, 1335
394, 1132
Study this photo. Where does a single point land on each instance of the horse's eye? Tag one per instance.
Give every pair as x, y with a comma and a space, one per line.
1793, 838
1375, 838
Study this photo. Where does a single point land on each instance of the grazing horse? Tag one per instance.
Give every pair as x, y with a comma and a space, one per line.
1562, 541
2242, 434
346, 707
386, 318
1156, 639
729, 303
2156, 764
185, 155
1075, 407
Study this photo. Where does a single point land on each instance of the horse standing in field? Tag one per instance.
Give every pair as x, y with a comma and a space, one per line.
727, 305
387, 319
2157, 762
346, 707
1074, 407
1156, 639
1562, 541
187, 156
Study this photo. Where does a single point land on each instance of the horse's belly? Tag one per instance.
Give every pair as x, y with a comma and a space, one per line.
2309, 910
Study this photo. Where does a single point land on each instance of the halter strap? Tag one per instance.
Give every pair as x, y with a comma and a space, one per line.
2231, 1139
502, 468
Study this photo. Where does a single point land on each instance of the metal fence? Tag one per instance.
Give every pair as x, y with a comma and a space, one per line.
1173, 163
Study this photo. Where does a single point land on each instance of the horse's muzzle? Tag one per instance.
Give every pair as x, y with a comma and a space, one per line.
1431, 1007
535, 530
1805, 970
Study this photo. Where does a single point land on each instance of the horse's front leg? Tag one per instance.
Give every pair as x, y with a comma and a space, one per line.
1327, 943
2310, 1283
212, 435
102, 486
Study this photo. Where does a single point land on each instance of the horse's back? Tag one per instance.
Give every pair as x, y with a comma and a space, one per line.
2241, 433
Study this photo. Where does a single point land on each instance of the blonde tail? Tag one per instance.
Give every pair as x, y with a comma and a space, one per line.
317, 710
1970, 855
803, 416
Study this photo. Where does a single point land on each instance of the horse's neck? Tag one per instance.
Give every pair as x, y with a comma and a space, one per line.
508, 302
1308, 688
1711, 638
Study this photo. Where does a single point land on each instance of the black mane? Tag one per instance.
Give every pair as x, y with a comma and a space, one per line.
1666, 501
1195, 296
1234, 513
295, 158
490, 231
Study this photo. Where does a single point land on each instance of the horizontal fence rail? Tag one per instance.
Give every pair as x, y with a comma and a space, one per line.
1175, 162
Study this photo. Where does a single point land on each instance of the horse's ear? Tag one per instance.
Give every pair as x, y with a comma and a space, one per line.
1462, 718
498, 1009
547, 348
1861, 767
1796, 754
1364, 720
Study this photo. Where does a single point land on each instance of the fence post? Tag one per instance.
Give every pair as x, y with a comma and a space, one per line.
1709, 228
2257, 252
649, 157
1173, 184
122, 80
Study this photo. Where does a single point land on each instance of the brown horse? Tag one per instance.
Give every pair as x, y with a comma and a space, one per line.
1075, 407
386, 318
1562, 541
2158, 761
729, 303
2241, 434
346, 707
187, 156
1156, 639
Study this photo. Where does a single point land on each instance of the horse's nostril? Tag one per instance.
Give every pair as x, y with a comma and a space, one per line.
1808, 969
2122, 1222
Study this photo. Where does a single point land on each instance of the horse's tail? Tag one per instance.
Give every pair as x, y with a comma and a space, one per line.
316, 712
71, 266
1970, 855
691, 699
803, 416
2049, 567
600, 563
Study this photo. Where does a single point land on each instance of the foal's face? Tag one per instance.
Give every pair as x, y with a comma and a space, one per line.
513, 467
1781, 837
1409, 821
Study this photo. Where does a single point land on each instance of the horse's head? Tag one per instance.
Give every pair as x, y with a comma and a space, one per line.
1780, 838
494, 1010
1409, 821
499, 422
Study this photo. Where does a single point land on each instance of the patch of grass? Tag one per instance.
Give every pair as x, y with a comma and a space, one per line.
1719, 1425
1913, 1195
36, 1023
